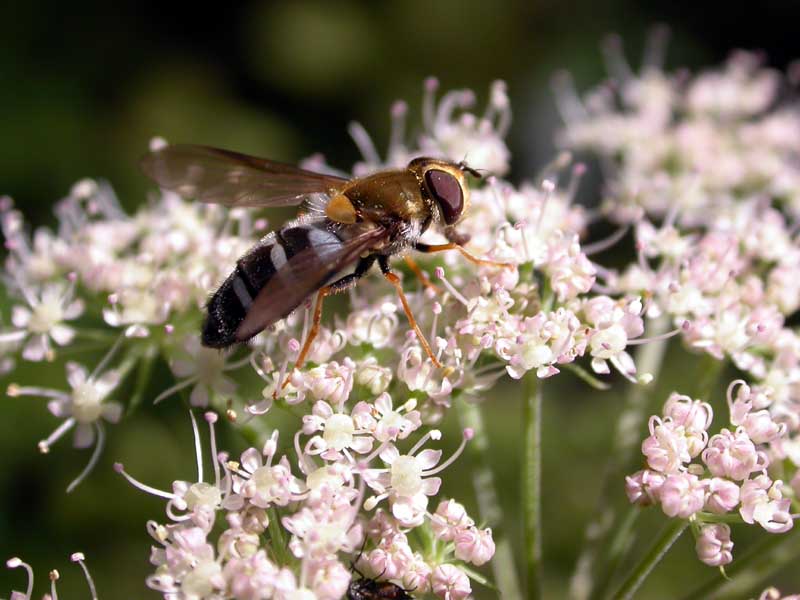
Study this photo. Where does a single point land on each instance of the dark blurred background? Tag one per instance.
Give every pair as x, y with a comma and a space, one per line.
85, 84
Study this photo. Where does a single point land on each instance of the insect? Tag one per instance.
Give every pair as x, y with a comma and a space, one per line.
343, 228
371, 589
366, 588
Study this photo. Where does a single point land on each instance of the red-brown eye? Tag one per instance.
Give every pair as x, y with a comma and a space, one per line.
446, 191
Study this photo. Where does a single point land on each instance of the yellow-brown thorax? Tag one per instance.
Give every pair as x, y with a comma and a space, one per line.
387, 195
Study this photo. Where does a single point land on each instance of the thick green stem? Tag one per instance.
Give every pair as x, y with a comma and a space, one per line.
634, 580
505, 574
748, 572
532, 485
630, 425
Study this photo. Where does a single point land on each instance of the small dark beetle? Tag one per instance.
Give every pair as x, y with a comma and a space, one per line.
370, 589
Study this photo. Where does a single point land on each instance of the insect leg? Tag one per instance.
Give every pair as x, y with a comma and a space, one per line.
421, 275
337, 286
430, 248
383, 261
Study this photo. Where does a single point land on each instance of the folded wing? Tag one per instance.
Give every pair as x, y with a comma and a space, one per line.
233, 179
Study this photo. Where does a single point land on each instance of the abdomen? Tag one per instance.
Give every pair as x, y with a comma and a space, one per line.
229, 305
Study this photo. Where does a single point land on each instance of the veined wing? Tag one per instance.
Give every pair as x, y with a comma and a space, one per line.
233, 179
311, 257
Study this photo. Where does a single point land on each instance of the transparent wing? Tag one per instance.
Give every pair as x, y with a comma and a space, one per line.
233, 179
302, 275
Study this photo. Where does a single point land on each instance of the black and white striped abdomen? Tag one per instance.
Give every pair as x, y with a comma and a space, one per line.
274, 258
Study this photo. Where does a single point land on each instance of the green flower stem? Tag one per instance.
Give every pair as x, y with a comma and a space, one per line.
627, 436
278, 546
532, 485
143, 374
620, 544
491, 514
669, 536
709, 370
748, 572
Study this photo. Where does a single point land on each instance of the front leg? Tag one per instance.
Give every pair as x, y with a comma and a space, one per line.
383, 262
431, 248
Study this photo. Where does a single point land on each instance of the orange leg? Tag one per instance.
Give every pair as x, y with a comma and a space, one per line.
429, 248
395, 281
312, 333
421, 275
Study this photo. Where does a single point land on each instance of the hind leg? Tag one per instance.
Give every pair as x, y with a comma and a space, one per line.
340, 285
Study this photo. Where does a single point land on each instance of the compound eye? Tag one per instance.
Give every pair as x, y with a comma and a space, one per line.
446, 191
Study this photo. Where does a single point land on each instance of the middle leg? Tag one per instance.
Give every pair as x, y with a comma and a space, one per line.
383, 262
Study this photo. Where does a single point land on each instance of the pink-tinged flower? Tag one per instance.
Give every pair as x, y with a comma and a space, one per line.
682, 495
714, 546
541, 342
323, 528
450, 516
741, 88
759, 424
642, 487
331, 382
390, 559
571, 272
83, 409
41, 322
450, 583
329, 578
763, 503
723, 495
260, 483
692, 418
340, 433
375, 325
452, 134
693, 415
373, 376
386, 423
417, 575
418, 373
409, 478
474, 545
334, 479
236, 542
327, 343
772, 593
251, 578
185, 562
615, 324
204, 369
85, 405
198, 501
666, 448
733, 455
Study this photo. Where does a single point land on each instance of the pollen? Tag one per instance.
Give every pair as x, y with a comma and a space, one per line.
341, 210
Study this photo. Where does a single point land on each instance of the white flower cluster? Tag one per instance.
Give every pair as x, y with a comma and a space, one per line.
705, 168
691, 145
362, 474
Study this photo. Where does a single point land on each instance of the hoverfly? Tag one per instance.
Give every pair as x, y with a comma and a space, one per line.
344, 225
